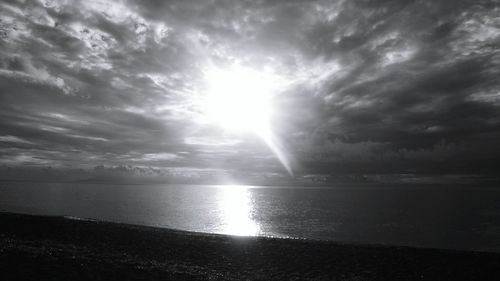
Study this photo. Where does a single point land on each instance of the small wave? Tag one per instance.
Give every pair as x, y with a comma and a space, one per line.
77, 218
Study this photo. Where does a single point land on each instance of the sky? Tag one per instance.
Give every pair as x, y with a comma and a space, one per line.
373, 86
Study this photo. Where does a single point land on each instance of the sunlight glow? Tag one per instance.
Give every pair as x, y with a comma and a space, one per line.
236, 206
239, 99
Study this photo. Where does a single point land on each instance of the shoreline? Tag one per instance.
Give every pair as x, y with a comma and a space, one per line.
249, 237
57, 248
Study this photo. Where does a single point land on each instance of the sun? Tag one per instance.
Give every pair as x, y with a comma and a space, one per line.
239, 100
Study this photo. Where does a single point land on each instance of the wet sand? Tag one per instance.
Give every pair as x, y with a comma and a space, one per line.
54, 248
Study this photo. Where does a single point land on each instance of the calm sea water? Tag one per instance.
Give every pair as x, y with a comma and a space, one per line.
426, 216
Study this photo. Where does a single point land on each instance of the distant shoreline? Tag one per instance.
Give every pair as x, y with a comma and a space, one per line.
298, 185
40, 247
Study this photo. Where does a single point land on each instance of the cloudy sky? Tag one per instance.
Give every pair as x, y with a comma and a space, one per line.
383, 85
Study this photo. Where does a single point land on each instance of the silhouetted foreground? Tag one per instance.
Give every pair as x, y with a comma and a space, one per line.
52, 248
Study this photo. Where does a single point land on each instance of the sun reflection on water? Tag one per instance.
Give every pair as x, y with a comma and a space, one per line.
237, 209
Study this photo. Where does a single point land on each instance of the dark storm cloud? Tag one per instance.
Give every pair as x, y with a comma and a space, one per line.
413, 92
398, 83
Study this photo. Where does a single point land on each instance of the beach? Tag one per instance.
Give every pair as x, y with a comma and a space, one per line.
57, 248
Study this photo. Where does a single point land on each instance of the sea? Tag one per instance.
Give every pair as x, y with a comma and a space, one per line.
430, 216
